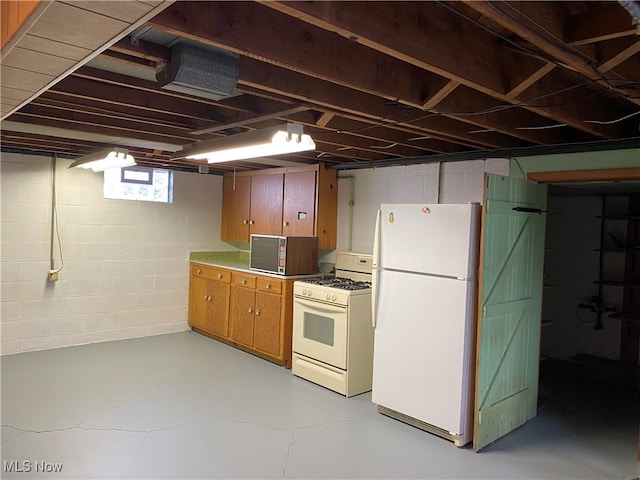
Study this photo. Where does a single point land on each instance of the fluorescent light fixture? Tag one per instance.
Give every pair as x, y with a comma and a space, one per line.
100, 161
288, 138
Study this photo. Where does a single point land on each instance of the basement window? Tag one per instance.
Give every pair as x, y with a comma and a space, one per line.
139, 183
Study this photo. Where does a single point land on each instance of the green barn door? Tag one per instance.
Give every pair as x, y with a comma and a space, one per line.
510, 298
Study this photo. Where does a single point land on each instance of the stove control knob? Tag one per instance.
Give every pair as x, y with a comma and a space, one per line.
304, 291
328, 296
333, 297
309, 294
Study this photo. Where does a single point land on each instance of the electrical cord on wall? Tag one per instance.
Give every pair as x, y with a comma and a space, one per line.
53, 271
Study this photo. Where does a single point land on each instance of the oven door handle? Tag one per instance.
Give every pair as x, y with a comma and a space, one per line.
320, 306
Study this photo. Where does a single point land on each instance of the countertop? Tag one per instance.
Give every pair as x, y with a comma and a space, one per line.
237, 260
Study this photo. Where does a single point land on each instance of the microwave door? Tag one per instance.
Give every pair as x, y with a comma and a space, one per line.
264, 253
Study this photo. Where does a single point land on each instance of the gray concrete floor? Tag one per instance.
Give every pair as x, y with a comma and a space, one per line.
185, 406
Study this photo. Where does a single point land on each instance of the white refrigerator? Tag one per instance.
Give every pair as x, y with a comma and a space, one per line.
425, 268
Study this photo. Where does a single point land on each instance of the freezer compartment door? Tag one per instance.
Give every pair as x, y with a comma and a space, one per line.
429, 238
422, 348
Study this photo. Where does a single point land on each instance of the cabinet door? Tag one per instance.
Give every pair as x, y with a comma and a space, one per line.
218, 299
236, 196
198, 305
267, 323
242, 315
299, 204
266, 204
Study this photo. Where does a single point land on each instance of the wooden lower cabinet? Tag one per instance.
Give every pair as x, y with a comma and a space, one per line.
266, 329
242, 315
257, 316
209, 299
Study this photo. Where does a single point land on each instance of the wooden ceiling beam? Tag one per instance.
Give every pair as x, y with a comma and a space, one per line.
519, 89
363, 142
108, 109
250, 119
437, 97
608, 20
325, 118
142, 49
87, 123
119, 95
337, 98
532, 22
248, 28
508, 119
380, 138
615, 52
410, 33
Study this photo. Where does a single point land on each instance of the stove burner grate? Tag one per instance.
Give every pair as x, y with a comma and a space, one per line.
340, 283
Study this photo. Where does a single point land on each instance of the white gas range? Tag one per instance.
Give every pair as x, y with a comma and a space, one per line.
332, 327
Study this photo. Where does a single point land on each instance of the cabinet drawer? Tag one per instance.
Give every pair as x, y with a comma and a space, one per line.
243, 280
211, 273
270, 285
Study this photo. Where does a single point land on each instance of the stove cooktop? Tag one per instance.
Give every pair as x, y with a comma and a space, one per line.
339, 283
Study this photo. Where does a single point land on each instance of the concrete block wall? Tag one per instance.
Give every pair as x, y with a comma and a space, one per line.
126, 262
451, 182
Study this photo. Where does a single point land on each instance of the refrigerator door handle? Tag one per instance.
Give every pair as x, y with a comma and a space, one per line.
374, 296
375, 270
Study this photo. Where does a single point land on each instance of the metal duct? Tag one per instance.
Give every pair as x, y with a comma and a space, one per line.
633, 7
200, 72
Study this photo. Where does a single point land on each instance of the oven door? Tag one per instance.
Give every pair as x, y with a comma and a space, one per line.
320, 331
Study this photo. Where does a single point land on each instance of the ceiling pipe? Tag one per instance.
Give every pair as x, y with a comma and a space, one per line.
597, 146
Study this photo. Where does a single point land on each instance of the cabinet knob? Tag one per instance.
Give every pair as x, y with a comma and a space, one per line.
219, 275
198, 271
245, 222
249, 310
285, 224
205, 298
209, 298
251, 222
267, 286
257, 312
243, 281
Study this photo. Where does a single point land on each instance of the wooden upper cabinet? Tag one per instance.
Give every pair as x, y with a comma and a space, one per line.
299, 212
296, 201
236, 196
266, 204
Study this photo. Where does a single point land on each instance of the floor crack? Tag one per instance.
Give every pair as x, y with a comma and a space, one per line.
104, 429
286, 458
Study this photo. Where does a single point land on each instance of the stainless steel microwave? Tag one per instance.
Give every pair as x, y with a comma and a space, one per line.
284, 255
